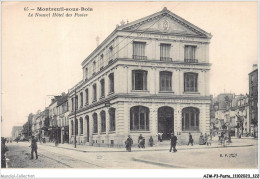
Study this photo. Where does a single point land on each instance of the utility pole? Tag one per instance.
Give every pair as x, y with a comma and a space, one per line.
75, 142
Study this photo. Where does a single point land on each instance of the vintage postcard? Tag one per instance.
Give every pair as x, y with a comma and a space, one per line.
129, 85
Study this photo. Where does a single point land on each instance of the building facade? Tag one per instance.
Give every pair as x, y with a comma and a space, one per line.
54, 129
253, 100
147, 76
62, 118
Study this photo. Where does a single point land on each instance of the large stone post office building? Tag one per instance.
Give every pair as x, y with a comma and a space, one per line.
147, 76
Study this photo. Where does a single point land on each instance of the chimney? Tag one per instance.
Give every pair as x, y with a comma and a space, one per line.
97, 39
254, 67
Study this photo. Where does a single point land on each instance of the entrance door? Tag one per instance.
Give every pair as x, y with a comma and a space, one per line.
165, 122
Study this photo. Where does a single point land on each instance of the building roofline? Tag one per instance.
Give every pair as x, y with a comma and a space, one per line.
122, 28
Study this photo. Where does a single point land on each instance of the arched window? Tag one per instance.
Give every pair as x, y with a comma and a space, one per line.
139, 118
190, 82
81, 125
165, 81
103, 121
76, 127
190, 119
95, 123
112, 119
139, 80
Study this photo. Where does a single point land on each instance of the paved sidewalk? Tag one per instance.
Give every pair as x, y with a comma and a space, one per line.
215, 144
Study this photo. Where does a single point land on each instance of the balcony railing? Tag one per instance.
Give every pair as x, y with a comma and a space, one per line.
168, 59
139, 57
191, 60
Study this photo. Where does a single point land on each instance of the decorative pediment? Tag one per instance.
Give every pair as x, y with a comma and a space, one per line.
165, 22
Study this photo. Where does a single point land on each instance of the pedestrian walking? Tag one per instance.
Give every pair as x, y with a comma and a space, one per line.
173, 143
151, 141
206, 139
33, 147
128, 143
190, 140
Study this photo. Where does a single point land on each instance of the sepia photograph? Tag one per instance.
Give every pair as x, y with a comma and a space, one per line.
130, 85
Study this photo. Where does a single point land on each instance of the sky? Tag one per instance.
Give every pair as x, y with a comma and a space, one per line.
42, 56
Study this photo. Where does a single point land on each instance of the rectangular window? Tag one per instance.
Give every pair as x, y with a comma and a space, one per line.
165, 52
94, 68
86, 91
139, 50
139, 80
111, 53
86, 73
101, 61
81, 99
190, 82
102, 84
111, 83
94, 92
189, 54
165, 81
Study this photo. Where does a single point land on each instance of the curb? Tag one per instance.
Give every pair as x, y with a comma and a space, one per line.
133, 150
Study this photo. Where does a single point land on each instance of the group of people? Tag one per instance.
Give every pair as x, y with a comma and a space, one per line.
141, 142
205, 140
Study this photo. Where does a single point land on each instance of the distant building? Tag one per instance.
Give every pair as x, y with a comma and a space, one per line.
62, 118
253, 99
222, 104
232, 110
54, 130
16, 131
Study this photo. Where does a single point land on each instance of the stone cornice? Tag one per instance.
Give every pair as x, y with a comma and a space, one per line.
144, 63
123, 97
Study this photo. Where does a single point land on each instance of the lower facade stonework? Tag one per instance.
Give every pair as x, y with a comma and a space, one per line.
110, 126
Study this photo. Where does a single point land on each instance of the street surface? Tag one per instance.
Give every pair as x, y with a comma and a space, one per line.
55, 157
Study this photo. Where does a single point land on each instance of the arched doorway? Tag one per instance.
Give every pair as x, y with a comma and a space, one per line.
165, 122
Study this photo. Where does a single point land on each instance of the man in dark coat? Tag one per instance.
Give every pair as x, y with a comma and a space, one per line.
128, 143
34, 147
141, 141
190, 139
173, 143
